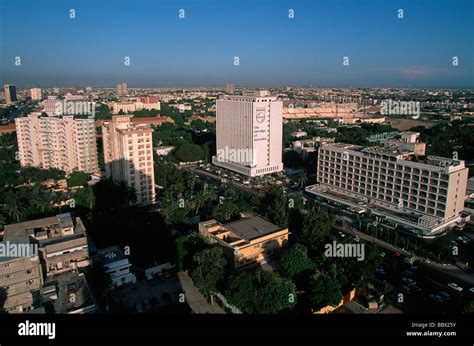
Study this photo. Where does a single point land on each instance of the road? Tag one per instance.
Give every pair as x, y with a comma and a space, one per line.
448, 269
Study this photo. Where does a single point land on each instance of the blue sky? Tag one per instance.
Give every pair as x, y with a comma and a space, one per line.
164, 50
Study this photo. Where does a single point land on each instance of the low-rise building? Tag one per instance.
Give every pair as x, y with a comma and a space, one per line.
62, 243
248, 241
117, 265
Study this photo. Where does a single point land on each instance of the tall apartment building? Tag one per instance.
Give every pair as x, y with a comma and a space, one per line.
9, 92
122, 89
249, 130
57, 142
128, 155
229, 88
36, 94
395, 181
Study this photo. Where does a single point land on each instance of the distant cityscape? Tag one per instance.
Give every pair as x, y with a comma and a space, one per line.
188, 195
236, 172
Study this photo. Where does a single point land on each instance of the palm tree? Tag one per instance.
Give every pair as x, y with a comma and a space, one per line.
3, 221
15, 210
302, 179
200, 200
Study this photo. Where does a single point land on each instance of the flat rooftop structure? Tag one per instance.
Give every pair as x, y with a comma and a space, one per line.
72, 293
111, 255
36, 228
252, 226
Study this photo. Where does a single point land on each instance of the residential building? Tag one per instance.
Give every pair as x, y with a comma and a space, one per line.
117, 265
9, 93
128, 155
57, 142
122, 89
68, 293
229, 88
395, 181
62, 243
37, 254
132, 106
20, 282
36, 94
249, 133
248, 241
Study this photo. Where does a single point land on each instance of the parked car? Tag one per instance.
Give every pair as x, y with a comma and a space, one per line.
471, 290
408, 281
455, 286
357, 239
406, 289
382, 254
444, 295
380, 271
436, 297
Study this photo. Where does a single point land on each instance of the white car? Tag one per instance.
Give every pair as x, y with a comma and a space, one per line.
455, 286
471, 290
357, 239
382, 254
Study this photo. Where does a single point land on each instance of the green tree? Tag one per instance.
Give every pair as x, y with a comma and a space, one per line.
241, 292
275, 207
316, 228
273, 293
77, 179
187, 152
208, 269
295, 260
325, 291
302, 179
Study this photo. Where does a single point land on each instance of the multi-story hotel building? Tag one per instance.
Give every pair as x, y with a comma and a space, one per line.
128, 155
249, 133
36, 94
57, 142
9, 91
249, 241
396, 181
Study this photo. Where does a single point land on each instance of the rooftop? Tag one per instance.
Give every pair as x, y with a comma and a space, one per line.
251, 226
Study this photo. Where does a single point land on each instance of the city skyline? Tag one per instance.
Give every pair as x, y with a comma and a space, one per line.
200, 49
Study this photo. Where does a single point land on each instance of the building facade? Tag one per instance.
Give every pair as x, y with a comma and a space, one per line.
249, 132
9, 91
249, 241
128, 155
36, 94
394, 181
57, 142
